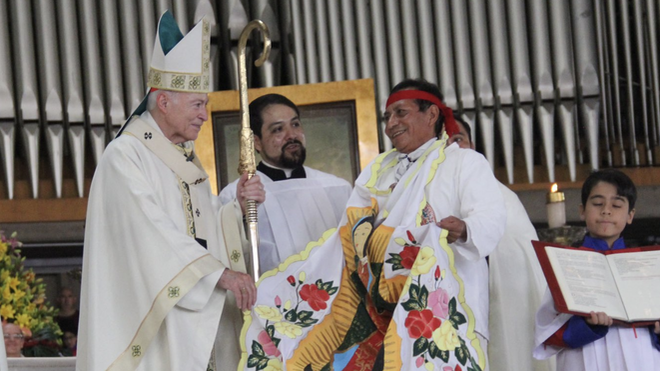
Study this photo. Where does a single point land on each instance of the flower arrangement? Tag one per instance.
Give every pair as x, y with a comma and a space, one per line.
23, 301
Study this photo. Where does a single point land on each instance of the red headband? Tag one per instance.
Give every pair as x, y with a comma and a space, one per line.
450, 124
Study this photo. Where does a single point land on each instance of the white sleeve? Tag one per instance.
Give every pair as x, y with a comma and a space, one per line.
548, 321
201, 293
482, 207
228, 194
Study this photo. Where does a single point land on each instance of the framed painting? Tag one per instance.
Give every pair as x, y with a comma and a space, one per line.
339, 119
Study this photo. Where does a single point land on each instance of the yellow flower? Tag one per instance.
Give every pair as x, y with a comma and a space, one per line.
425, 261
3, 249
287, 305
14, 282
268, 313
445, 337
302, 276
274, 365
6, 311
18, 295
4, 274
31, 307
288, 329
6, 294
23, 320
429, 366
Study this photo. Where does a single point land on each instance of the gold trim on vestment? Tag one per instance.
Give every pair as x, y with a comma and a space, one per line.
191, 171
161, 306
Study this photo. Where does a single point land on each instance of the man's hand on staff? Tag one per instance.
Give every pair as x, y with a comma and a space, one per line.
242, 286
249, 189
456, 228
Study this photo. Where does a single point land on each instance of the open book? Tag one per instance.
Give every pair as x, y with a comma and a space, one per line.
625, 283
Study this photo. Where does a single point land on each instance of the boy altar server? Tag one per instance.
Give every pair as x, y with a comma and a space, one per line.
594, 343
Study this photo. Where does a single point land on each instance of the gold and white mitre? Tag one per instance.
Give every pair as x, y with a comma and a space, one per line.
178, 62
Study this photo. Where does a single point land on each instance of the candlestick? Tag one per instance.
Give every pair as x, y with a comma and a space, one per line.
556, 208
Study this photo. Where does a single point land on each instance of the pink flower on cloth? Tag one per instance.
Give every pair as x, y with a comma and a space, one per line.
439, 303
268, 345
447, 368
420, 362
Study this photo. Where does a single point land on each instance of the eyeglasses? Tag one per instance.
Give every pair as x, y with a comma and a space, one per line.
14, 336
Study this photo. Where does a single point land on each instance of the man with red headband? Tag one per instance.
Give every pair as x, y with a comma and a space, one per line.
403, 282
462, 195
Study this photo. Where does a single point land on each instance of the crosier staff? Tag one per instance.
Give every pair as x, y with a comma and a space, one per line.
246, 161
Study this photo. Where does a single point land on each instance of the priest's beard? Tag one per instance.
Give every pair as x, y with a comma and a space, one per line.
292, 160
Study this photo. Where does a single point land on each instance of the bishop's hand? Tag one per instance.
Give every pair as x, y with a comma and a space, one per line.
241, 285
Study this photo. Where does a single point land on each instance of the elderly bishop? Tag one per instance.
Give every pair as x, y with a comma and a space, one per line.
163, 274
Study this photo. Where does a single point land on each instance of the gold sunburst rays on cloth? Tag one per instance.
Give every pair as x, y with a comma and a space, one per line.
318, 348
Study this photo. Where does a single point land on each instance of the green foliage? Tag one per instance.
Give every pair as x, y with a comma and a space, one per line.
395, 260
420, 346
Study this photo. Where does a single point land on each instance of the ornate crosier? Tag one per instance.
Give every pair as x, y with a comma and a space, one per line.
247, 162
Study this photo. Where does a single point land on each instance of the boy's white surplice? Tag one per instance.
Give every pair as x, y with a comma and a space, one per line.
387, 275
622, 349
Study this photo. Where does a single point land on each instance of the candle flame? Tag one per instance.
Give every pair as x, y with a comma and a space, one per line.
553, 189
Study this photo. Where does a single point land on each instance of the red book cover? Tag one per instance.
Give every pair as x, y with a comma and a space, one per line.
553, 283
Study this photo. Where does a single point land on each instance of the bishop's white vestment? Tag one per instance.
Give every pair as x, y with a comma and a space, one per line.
149, 299
295, 212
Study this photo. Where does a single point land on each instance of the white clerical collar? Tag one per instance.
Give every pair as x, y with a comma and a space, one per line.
287, 172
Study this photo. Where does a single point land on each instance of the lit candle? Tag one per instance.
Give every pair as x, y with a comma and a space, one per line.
556, 208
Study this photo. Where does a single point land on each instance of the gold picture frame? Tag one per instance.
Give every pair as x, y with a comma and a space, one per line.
345, 109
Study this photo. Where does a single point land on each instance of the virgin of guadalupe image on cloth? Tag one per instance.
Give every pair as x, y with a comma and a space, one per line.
361, 233
403, 306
